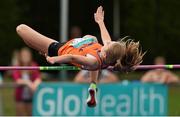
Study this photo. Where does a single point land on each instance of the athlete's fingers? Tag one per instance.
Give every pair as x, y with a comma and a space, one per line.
45, 54
100, 9
50, 60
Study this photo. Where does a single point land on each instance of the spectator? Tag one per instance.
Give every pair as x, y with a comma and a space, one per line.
27, 81
75, 32
160, 75
104, 77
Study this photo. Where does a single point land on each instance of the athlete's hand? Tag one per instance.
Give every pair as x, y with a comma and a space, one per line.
99, 15
43, 54
50, 60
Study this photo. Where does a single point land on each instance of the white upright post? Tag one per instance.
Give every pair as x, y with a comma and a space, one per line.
64, 15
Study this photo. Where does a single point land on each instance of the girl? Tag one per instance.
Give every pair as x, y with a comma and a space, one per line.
27, 81
86, 52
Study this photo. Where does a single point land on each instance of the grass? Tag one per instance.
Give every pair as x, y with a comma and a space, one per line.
8, 101
174, 104
173, 99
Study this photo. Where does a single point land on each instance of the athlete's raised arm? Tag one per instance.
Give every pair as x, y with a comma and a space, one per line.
88, 63
99, 19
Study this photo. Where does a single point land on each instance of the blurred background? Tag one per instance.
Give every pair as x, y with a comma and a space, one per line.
155, 23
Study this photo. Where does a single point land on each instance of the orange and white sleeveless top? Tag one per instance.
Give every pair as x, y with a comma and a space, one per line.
82, 46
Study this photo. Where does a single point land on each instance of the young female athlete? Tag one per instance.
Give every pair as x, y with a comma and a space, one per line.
86, 52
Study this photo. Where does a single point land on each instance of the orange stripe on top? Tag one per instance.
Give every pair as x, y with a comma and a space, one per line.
90, 48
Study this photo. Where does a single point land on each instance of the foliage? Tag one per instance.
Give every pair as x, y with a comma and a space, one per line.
156, 24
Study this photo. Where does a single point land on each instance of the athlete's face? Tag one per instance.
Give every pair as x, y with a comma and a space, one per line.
26, 56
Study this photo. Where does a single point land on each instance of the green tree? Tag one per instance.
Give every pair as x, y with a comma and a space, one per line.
169, 29
156, 24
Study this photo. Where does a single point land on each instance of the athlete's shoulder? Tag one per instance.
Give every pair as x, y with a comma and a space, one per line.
90, 36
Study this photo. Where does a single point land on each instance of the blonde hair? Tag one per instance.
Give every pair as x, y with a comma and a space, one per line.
133, 56
116, 51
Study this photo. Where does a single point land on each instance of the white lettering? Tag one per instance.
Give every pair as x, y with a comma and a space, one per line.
156, 97
135, 101
67, 106
50, 103
84, 105
60, 102
142, 100
123, 108
108, 102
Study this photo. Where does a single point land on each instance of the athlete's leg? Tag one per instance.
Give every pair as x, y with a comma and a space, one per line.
92, 100
34, 39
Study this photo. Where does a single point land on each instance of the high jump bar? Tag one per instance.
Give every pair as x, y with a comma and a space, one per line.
48, 68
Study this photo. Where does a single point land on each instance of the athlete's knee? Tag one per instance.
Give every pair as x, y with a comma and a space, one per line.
21, 28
